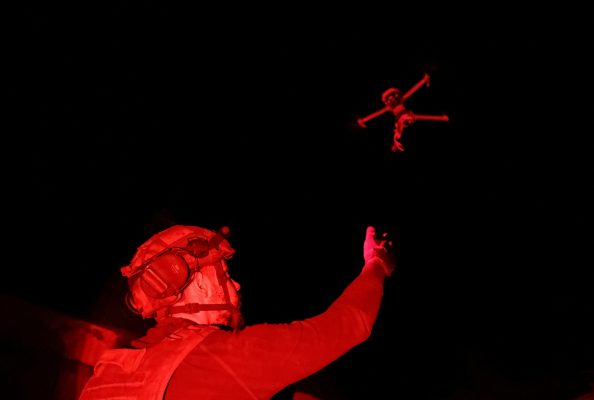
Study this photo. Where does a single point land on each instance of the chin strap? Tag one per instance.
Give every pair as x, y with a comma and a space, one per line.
194, 308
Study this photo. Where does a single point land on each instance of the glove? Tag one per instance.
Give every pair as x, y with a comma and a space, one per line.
379, 249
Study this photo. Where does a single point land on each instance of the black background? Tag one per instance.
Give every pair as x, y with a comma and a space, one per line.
132, 117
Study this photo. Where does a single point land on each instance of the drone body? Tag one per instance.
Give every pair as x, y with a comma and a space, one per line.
394, 103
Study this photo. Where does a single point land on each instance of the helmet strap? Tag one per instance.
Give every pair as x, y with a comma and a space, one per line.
193, 308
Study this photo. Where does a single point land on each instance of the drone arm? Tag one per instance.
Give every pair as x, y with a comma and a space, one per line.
416, 87
362, 121
422, 117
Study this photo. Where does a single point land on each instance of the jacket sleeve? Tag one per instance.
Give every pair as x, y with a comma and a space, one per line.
277, 355
345, 324
262, 359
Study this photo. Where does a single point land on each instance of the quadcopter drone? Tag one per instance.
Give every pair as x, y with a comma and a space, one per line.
394, 103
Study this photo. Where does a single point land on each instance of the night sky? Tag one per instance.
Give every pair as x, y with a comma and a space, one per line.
131, 118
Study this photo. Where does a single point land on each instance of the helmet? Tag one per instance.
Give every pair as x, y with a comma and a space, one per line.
164, 265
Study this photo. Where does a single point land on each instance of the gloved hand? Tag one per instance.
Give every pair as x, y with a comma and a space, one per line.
374, 247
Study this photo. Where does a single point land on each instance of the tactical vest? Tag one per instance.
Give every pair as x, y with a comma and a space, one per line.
141, 374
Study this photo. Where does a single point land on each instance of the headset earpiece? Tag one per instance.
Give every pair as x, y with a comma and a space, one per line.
166, 276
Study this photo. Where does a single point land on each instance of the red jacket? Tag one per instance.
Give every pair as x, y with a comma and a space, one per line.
260, 360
